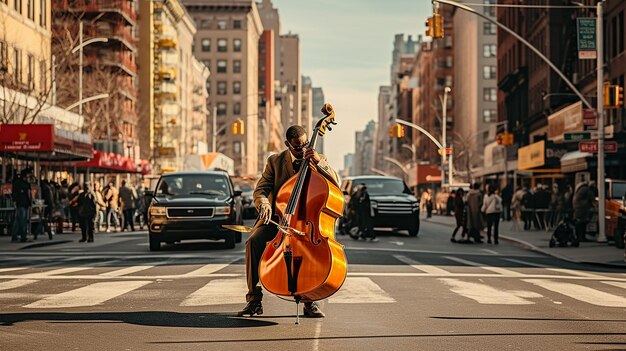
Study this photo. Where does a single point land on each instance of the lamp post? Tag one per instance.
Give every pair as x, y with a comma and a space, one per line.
444, 124
395, 162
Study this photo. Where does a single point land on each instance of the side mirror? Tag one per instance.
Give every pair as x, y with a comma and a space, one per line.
237, 193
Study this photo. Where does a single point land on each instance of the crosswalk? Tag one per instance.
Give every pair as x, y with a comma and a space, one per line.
223, 283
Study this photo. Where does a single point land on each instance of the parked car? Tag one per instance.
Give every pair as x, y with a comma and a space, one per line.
246, 185
615, 205
393, 204
194, 205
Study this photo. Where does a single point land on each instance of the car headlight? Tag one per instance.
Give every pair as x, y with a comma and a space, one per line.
225, 210
157, 211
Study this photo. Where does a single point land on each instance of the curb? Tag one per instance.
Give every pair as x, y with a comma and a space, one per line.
531, 247
45, 243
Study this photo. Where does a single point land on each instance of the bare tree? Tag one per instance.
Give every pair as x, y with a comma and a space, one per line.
466, 153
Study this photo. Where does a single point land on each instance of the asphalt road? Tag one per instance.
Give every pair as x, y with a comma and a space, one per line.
402, 293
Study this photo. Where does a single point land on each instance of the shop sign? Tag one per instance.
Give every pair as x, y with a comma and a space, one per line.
532, 156
568, 119
592, 146
26, 137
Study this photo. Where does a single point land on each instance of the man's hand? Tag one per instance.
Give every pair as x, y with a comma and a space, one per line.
265, 212
313, 156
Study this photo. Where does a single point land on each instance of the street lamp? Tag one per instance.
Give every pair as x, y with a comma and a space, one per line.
444, 123
395, 162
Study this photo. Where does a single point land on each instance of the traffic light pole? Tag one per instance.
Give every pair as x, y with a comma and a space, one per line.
600, 90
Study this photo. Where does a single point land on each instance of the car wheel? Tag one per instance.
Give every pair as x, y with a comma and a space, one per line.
155, 244
229, 242
238, 237
414, 230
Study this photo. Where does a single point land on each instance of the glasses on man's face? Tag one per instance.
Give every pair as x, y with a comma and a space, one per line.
298, 148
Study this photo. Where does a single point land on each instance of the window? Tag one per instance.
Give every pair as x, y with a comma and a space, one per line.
489, 28
207, 63
221, 108
236, 87
237, 147
221, 45
43, 13
208, 86
17, 65
206, 45
221, 66
489, 10
30, 8
449, 61
490, 94
237, 45
237, 108
489, 50
237, 24
221, 88
17, 5
31, 71
489, 116
489, 72
237, 66
205, 24
4, 65
221, 24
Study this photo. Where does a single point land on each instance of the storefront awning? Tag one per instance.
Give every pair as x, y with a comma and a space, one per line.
108, 162
574, 161
44, 142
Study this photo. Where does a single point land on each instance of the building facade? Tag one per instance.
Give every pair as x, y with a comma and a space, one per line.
318, 102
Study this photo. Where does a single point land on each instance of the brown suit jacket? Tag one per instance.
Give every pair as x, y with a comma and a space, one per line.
278, 170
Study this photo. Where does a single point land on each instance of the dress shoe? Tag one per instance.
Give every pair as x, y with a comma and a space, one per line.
311, 310
82, 240
252, 308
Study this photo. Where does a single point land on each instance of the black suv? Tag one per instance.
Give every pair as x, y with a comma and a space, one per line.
194, 205
393, 204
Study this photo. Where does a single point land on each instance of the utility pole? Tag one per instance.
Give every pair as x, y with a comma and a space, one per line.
213, 143
600, 61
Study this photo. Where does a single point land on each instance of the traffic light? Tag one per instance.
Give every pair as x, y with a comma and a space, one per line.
396, 131
619, 96
430, 27
607, 95
238, 127
500, 139
613, 96
392, 132
438, 26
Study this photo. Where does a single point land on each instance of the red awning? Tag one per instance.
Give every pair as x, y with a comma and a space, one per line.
45, 142
146, 167
109, 162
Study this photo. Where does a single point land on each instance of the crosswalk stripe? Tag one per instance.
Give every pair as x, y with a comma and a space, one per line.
218, 292
57, 271
16, 283
581, 293
210, 268
361, 290
89, 295
576, 273
124, 271
618, 284
486, 294
11, 269
481, 266
531, 264
422, 267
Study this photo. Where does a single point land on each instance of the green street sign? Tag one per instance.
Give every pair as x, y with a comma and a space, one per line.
586, 37
577, 136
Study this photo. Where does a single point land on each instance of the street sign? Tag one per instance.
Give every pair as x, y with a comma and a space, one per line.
590, 122
577, 136
589, 113
592, 146
586, 37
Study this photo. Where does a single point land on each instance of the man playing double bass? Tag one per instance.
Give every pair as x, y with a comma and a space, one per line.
278, 170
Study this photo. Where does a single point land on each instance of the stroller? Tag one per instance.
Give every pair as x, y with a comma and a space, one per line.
564, 233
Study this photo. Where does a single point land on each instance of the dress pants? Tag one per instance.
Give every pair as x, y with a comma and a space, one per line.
255, 245
87, 227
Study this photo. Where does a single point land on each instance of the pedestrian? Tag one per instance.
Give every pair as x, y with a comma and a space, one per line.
474, 217
278, 170
87, 209
364, 208
111, 198
492, 207
73, 192
47, 194
127, 199
65, 205
507, 199
101, 206
583, 209
527, 208
429, 203
516, 208
450, 204
460, 215
22, 199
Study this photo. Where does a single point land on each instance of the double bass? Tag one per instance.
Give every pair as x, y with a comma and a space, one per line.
304, 262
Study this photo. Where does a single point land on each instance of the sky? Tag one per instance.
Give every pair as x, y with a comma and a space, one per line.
346, 48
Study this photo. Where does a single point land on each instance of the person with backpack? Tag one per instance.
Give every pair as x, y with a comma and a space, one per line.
492, 206
87, 209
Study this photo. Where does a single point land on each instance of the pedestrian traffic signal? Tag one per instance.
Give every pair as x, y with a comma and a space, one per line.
238, 127
613, 96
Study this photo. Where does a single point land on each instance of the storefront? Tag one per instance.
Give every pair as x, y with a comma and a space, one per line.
109, 162
540, 163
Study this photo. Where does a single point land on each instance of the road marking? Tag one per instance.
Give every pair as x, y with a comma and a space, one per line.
581, 293
56, 272
422, 267
11, 269
361, 290
618, 284
491, 251
210, 268
125, 271
498, 270
89, 295
576, 273
486, 294
16, 283
218, 292
527, 263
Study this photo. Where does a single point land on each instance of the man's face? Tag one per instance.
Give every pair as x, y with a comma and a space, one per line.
298, 146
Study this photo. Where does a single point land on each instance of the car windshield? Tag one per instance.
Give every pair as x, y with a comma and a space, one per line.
193, 184
382, 186
618, 190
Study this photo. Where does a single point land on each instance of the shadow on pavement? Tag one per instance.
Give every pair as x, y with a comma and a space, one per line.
147, 318
531, 319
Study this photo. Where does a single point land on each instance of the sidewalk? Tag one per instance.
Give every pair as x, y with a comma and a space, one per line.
588, 252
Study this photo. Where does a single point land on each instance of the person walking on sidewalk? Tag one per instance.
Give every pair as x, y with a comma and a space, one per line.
87, 209
492, 206
22, 197
364, 208
583, 207
128, 197
460, 215
474, 217
112, 201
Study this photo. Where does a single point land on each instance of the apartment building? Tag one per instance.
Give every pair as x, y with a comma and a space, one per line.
318, 102
227, 41
290, 76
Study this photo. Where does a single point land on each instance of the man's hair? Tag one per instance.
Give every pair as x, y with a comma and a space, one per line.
294, 132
